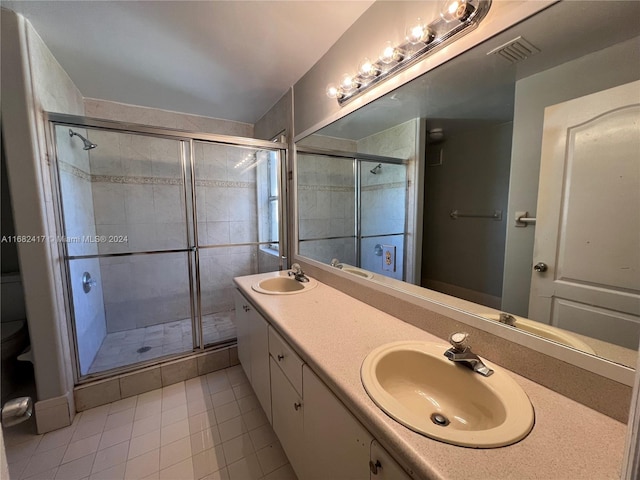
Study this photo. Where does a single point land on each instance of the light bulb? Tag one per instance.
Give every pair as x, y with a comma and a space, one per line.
332, 91
390, 54
348, 83
456, 10
367, 69
417, 33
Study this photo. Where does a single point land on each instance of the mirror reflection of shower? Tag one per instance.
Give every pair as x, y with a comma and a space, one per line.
375, 170
87, 144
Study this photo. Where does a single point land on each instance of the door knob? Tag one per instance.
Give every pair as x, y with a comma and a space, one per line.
540, 267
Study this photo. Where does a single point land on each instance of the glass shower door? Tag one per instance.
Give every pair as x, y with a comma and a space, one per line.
327, 208
238, 226
383, 217
125, 219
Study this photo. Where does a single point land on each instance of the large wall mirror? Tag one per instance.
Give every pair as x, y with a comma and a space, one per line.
540, 123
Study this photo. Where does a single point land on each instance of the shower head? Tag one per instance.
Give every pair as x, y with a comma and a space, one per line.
87, 144
375, 170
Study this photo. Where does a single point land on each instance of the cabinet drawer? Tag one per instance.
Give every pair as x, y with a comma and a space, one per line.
286, 359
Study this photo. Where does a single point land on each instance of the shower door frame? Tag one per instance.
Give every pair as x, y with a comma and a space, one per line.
357, 158
187, 164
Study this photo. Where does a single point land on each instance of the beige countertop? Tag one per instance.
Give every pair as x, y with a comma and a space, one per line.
333, 333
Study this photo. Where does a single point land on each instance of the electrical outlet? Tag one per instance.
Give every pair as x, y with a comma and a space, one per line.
388, 258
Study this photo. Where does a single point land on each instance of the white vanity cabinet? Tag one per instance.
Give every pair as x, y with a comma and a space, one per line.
337, 446
253, 349
319, 435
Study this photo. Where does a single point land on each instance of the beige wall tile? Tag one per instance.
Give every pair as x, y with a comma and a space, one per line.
212, 361
178, 371
97, 393
140, 382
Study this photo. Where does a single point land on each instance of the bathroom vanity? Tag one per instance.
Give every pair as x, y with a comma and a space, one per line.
303, 354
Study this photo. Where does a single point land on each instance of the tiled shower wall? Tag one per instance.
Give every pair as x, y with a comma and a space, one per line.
76, 187
382, 212
326, 203
139, 205
326, 200
222, 209
137, 195
384, 198
226, 201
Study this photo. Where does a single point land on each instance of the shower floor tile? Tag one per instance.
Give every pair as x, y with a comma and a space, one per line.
128, 347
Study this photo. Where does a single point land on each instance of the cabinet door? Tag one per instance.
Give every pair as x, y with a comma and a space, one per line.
287, 411
242, 332
336, 445
260, 377
383, 466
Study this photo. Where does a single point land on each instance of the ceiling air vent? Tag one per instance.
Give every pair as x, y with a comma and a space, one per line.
515, 50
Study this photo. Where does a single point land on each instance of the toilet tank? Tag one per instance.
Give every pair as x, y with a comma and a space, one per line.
12, 298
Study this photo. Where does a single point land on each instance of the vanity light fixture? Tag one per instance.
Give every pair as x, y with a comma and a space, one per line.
456, 17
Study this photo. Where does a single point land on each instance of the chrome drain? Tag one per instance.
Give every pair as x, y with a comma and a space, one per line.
439, 419
143, 349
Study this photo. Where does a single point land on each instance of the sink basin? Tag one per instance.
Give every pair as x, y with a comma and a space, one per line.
416, 385
547, 331
283, 285
356, 271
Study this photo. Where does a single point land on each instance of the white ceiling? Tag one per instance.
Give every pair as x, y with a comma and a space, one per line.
223, 59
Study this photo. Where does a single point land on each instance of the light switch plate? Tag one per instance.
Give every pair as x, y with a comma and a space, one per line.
388, 258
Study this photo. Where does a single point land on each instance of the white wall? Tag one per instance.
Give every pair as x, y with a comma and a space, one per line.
598, 71
467, 253
97, 108
33, 82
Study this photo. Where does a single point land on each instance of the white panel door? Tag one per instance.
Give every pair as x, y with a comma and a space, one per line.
588, 227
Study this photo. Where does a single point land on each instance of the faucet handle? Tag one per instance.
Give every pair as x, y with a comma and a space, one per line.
459, 341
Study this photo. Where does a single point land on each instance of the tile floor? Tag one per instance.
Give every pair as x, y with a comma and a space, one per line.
122, 348
210, 427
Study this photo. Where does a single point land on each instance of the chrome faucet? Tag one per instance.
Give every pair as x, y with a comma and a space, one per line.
297, 273
336, 263
460, 352
507, 319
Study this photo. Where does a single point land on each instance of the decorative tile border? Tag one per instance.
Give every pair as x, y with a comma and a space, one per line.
326, 188
384, 186
337, 188
75, 171
224, 184
133, 180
